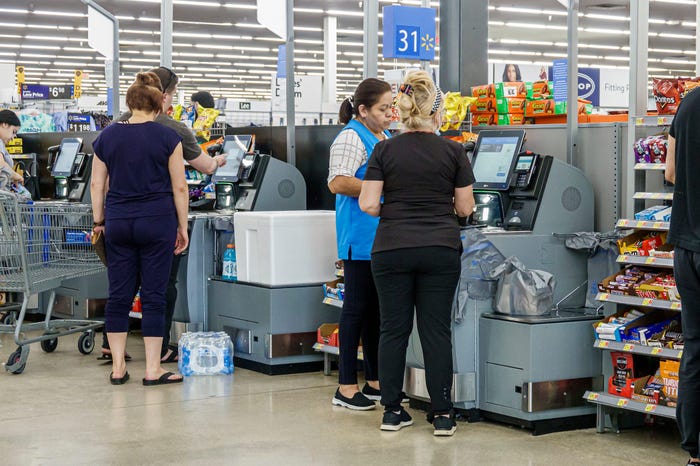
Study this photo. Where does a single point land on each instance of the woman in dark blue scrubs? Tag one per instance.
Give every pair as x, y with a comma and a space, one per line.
143, 217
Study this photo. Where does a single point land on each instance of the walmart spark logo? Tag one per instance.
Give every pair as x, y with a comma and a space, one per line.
427, 42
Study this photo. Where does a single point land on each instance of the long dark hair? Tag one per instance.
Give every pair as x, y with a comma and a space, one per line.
517, 72
368, 93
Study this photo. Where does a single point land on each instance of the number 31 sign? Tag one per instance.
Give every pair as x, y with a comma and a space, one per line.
409, 32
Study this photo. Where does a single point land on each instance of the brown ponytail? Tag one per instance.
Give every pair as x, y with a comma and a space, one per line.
368, 93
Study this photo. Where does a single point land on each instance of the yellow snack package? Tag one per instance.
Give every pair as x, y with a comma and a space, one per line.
455, 110
205, 120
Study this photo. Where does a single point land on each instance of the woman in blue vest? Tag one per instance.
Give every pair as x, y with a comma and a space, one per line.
367, 115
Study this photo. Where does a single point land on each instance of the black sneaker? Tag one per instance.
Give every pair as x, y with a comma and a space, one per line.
358, 402
444, 426
376, 395
396, 420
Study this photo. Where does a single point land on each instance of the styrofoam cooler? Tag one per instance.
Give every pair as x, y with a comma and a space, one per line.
285, 248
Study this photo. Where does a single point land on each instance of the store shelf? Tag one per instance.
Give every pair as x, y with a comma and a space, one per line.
650, 166
333, 302
320, 347
637, 301
613, 401
643, 260
658, 196
638, 349
135, 315
653, 120
642, 225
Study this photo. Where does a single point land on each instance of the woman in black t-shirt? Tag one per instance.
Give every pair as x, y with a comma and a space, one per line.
425, 180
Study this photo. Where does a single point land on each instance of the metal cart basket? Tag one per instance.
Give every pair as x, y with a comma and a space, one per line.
42, 244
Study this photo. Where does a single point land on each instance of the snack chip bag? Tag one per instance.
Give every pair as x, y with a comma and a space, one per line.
205, 120
455, 110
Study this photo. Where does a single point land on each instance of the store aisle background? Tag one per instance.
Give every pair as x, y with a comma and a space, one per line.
63, 410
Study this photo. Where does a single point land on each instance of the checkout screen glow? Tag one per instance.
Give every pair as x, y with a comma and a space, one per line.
66, 157
234, 150
493, 161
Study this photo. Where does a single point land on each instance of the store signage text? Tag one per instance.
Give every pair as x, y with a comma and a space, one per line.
39, 92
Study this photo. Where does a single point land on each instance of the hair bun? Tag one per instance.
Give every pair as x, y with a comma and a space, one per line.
149, 79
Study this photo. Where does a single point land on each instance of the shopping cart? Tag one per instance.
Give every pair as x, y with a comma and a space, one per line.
42, 244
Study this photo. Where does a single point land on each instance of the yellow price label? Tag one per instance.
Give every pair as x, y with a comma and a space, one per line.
661, 120
622, 403
624, 223
658, 224
656, 350
680, 354
650, 260
656, 196
603, 344
593, 396
628, 347
650, 408
647, 301
603, 296
676, 305
639, 121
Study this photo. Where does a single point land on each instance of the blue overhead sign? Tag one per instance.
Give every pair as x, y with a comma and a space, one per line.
39, 92
409, 32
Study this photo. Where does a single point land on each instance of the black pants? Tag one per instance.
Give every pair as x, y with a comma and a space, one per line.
170, 298
359, 318
687, 272
424, 278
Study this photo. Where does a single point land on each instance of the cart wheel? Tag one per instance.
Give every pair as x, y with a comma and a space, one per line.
8, 319
86, 343
13, 362
49, 346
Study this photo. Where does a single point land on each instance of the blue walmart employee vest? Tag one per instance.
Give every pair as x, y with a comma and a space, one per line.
355, 229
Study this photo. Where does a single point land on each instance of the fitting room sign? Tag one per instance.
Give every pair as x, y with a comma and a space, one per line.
307, 93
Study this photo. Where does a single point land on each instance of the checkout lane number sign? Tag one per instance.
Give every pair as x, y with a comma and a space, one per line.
409, 32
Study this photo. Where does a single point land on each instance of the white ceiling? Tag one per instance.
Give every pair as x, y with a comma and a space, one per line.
218, 45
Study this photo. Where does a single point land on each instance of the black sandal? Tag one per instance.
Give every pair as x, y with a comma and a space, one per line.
163, 380
108, 357
171, 358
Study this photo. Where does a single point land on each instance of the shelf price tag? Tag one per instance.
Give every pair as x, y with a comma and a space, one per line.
647, 301
658, 224
622, 403
650, 260
656, 351
680, 354
628, 347
639, 121
623, 223
650, 408
661, 121
676, 305
603, 296
593, 396
603, 344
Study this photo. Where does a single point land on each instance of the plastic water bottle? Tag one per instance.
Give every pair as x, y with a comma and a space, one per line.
230, 272
205, 353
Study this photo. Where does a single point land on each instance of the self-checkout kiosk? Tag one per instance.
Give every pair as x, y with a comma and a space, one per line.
71, 170
531, 370
273, 325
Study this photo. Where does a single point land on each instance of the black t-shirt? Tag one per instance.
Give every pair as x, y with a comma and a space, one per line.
420, 173
685, 220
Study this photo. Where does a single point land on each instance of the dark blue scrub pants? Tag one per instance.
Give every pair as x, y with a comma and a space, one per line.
686, 267
139, 248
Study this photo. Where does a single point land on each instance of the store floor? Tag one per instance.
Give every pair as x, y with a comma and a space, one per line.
62, 410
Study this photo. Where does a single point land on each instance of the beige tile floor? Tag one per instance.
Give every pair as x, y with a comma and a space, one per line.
62, 410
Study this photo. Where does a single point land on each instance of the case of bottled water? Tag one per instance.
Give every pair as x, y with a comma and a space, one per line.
205, 353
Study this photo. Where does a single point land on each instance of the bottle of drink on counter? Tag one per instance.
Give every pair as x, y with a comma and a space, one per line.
230, 272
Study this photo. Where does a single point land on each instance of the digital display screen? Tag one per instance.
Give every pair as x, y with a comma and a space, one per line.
234, 148
524, 162
494, 159
63, 164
